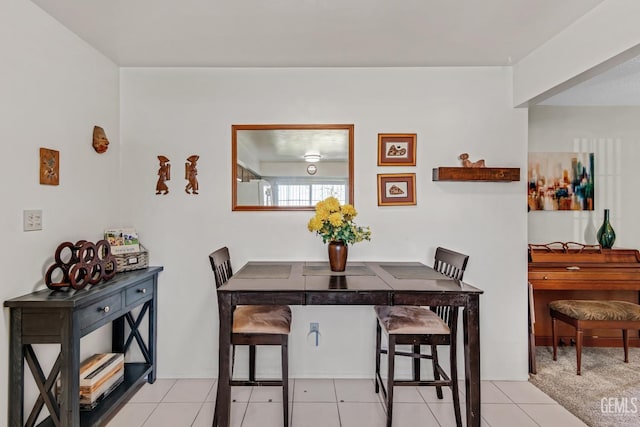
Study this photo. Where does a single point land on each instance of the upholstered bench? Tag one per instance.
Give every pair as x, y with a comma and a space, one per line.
587, 314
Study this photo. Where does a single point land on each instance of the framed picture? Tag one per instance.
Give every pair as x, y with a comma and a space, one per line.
561, 181
396, 149
396, 189
49, 166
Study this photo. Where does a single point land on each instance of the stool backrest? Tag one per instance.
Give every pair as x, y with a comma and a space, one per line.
221, 265
452, 264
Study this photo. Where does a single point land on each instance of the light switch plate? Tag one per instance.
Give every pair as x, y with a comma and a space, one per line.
32, 220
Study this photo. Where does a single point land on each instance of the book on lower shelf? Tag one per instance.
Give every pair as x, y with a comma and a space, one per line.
90, 400
99, 375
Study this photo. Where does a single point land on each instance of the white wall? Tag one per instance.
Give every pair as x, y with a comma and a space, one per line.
180, 112
612, 133
54, 88
604, 37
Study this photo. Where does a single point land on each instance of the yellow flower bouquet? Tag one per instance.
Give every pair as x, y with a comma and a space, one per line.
334, 222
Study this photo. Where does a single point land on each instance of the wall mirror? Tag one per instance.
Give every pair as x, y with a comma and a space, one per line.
290, 167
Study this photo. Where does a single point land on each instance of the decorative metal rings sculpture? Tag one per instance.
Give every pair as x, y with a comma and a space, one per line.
81, 264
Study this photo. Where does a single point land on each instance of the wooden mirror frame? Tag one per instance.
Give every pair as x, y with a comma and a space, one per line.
234, 162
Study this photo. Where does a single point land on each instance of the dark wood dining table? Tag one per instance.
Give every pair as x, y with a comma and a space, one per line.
362, 283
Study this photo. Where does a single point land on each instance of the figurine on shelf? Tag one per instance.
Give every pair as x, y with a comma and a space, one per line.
100, 141
190, 173
466, 163
164, 174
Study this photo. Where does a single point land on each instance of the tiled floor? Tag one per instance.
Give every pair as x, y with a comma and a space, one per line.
336, 403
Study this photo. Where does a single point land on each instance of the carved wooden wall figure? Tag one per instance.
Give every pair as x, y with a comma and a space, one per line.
100, 141
190, 174
466, 163
164, 174
49, 166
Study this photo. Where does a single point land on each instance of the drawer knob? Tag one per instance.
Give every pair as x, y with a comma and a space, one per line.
142, 291
106, 309
545, 277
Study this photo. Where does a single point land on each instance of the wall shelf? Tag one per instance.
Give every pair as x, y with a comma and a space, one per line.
476, 174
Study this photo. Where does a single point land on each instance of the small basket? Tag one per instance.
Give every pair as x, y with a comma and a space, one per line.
133, 261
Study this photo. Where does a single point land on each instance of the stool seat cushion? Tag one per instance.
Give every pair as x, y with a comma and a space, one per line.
262, 319
405, 319
597, 310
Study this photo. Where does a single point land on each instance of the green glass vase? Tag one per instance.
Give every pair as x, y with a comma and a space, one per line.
606, 235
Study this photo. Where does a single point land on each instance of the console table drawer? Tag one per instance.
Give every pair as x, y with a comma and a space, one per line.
138, 293
100, 310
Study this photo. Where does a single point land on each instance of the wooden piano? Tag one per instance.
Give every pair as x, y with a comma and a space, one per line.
567, 270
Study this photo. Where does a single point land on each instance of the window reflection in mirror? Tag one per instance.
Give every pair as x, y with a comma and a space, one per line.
291, 167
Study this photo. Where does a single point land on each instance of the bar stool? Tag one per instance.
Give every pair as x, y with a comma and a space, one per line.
418, 326
255, 325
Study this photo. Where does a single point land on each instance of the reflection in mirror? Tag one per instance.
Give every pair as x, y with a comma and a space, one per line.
291, 167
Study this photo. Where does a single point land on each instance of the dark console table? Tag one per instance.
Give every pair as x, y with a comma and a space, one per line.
59, 317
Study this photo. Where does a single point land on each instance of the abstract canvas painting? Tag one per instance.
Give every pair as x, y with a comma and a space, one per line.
561, 181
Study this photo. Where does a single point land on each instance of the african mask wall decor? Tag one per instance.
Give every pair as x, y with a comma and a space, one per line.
100, 141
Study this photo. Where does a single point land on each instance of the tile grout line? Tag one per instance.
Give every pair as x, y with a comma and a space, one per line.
513, 402
527, 414
205, 402
292, 390
246, 408
423, 400
335, 394
157, 404
164, 396
150, 413
198, 413
428, 406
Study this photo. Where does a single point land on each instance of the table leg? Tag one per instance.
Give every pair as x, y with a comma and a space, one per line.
222, 411
471, 323
70, 371
153, 333
16, 370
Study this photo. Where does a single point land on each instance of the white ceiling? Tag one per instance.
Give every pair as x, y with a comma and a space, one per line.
315, 33
336, 33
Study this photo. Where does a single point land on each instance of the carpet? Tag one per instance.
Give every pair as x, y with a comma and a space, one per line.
607, 394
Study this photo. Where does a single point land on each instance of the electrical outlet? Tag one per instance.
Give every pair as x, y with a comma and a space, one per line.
32, 220
314, 334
